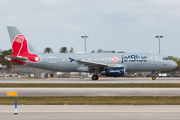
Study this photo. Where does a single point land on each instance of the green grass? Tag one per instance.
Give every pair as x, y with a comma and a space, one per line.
82, 100
84, 85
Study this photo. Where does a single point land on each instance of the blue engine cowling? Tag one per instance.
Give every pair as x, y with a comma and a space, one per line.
115, 72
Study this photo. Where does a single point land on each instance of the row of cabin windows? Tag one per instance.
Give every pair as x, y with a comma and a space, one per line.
166, 58
75, 59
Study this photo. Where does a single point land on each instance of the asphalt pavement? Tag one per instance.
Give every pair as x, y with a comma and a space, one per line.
88, 80
92, 91
91, 112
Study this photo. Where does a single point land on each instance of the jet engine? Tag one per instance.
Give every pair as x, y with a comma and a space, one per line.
115, 72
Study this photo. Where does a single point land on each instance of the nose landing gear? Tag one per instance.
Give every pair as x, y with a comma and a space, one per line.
153, 76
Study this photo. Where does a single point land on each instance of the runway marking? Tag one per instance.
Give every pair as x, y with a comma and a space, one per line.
87, 111
150, 79
11, 93
31, 82
47, 79
91, 78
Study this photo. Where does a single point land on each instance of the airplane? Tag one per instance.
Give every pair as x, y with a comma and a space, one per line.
108, 64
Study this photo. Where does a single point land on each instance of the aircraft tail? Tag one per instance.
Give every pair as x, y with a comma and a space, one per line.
18, 41
22, 50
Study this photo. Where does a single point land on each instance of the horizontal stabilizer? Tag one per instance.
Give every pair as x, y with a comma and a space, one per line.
19, 58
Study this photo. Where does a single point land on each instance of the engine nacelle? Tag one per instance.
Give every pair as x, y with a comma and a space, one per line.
115, 72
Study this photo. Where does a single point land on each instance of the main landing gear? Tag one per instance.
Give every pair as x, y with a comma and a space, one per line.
94, 77
153, 76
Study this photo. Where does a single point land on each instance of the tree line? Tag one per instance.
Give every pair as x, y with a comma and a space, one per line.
62, 50
4, 62
65, 50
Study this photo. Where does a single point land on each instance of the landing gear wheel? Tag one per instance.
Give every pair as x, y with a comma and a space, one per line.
153, 78
94, 77
153, 75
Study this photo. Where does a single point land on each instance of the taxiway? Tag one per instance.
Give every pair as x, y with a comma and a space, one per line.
87, 80
89, 112
92, 91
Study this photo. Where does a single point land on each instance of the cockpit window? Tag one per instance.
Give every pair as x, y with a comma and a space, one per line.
166, 58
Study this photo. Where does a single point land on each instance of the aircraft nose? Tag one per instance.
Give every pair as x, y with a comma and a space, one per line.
173, 64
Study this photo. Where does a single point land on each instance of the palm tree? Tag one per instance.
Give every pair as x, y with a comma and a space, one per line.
1, 60
63, 50
93, 51
48, 50
4, 62
71, 50
100, 51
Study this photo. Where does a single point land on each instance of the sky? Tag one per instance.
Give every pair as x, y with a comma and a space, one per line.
119, 25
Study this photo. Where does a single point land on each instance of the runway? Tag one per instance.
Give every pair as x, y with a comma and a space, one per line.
89, 112
87, 80
92, 91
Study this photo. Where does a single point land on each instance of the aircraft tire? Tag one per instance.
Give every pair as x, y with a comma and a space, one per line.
94, 77
153, 78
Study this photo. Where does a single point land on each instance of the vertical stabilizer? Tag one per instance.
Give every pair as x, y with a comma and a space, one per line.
13, 33
23, 51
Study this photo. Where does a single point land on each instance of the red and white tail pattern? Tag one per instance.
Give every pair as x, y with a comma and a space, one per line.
20, 49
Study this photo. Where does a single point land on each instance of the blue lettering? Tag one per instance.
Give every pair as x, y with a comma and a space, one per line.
134, 58
140, 60
125, 59
122, 59
145, 59
129, 58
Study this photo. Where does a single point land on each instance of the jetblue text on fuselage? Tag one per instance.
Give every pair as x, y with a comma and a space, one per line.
134, 58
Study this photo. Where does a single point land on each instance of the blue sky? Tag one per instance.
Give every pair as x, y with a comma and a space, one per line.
120, 25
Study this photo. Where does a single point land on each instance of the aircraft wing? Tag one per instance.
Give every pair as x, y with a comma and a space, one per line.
19, 58
90, 63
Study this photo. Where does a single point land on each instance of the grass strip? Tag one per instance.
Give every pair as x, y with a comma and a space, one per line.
82, 100
91, 85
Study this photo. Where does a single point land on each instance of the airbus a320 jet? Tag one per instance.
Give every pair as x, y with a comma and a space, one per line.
109, 64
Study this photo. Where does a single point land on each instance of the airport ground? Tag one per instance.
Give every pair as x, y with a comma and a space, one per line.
88, 80
89, 112
25, 92
104, 112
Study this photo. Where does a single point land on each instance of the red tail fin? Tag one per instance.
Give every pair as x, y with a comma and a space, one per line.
20, 46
